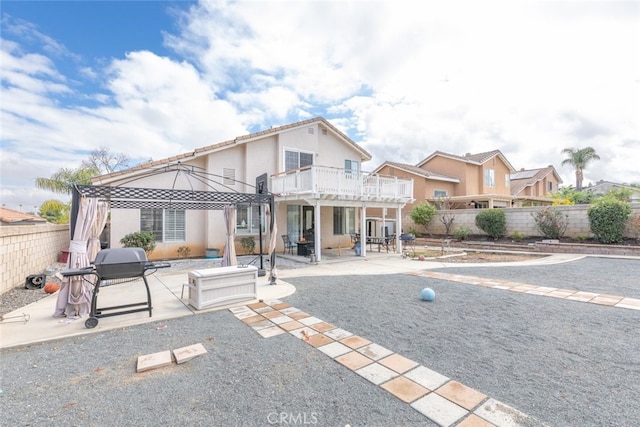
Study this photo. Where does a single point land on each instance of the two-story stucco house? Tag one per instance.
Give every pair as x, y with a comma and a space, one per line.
320, 192
474, 181
457, 182
534, 187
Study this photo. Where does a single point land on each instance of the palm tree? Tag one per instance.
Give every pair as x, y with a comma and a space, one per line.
579, 158
62, 181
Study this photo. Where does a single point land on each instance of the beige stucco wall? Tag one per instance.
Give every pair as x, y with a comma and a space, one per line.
29, 249
249, 159
518, 219
501, 171
125, 221
471, 176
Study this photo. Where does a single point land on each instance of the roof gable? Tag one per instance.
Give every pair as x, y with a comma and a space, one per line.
414, 170
204, 151
476, 159
528, 177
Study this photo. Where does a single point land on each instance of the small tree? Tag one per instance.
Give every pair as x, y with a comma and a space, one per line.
447, 217
608, 219
493, 222
569, 196
140, 239
423, 213
552, 223
105, 161
55, 211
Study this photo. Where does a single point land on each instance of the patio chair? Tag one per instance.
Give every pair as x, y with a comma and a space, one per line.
288, 244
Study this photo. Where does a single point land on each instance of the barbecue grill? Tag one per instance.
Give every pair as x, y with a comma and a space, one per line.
409, 241
117, 263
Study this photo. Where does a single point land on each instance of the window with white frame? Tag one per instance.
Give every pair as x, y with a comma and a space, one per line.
489, 178
344, 220
167, 225
550, 186
439, 193
507, 180
352, 166
248, 219
297, 159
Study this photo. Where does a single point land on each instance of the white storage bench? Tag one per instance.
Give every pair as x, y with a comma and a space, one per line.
223, 285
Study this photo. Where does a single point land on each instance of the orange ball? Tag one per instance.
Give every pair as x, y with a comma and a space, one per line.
51, 287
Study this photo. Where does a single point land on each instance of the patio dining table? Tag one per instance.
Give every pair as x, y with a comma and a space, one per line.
380, 241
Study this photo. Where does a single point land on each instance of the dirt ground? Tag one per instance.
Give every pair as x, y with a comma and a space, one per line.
476, 257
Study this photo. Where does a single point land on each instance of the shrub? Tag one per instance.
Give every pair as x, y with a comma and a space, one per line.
634, 226
248, 244
423, 213
552, 223
462, 232
140, 239
184, 251
493, 222
608, 219
517, 236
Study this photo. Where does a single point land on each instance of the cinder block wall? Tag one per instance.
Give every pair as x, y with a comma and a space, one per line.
29, 249
518, 219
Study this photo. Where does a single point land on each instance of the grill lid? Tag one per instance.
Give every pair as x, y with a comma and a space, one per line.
120, 263
120, 256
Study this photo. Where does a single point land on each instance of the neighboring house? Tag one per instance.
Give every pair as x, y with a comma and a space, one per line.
314, 172
427, 185
11, 217
484, 178
534, 187
473, 181
603, 187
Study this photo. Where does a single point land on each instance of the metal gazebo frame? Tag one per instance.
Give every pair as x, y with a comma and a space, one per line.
159, 198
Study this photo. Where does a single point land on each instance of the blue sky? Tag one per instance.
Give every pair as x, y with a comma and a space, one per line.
156, 79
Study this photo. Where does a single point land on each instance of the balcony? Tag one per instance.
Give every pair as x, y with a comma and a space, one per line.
321, 182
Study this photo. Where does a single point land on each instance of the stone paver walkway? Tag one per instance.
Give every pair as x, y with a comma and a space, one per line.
568, 294
442, 400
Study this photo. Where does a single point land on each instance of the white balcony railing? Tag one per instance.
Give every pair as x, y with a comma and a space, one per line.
322, 181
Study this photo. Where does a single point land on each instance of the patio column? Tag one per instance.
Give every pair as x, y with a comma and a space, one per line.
363, 231
317, 232
399, 228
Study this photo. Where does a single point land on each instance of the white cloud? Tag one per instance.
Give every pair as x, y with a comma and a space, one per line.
528, 78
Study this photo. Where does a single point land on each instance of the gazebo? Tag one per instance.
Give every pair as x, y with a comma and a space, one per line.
89, 211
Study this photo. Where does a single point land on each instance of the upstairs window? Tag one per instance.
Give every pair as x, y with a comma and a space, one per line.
489, 178
297, 159
550, 186
507, 180
351, 167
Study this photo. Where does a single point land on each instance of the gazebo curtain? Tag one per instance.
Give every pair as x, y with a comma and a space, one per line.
74, 298
273, 273
229, 255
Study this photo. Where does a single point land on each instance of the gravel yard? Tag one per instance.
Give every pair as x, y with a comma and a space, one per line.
18, 297
565, 363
